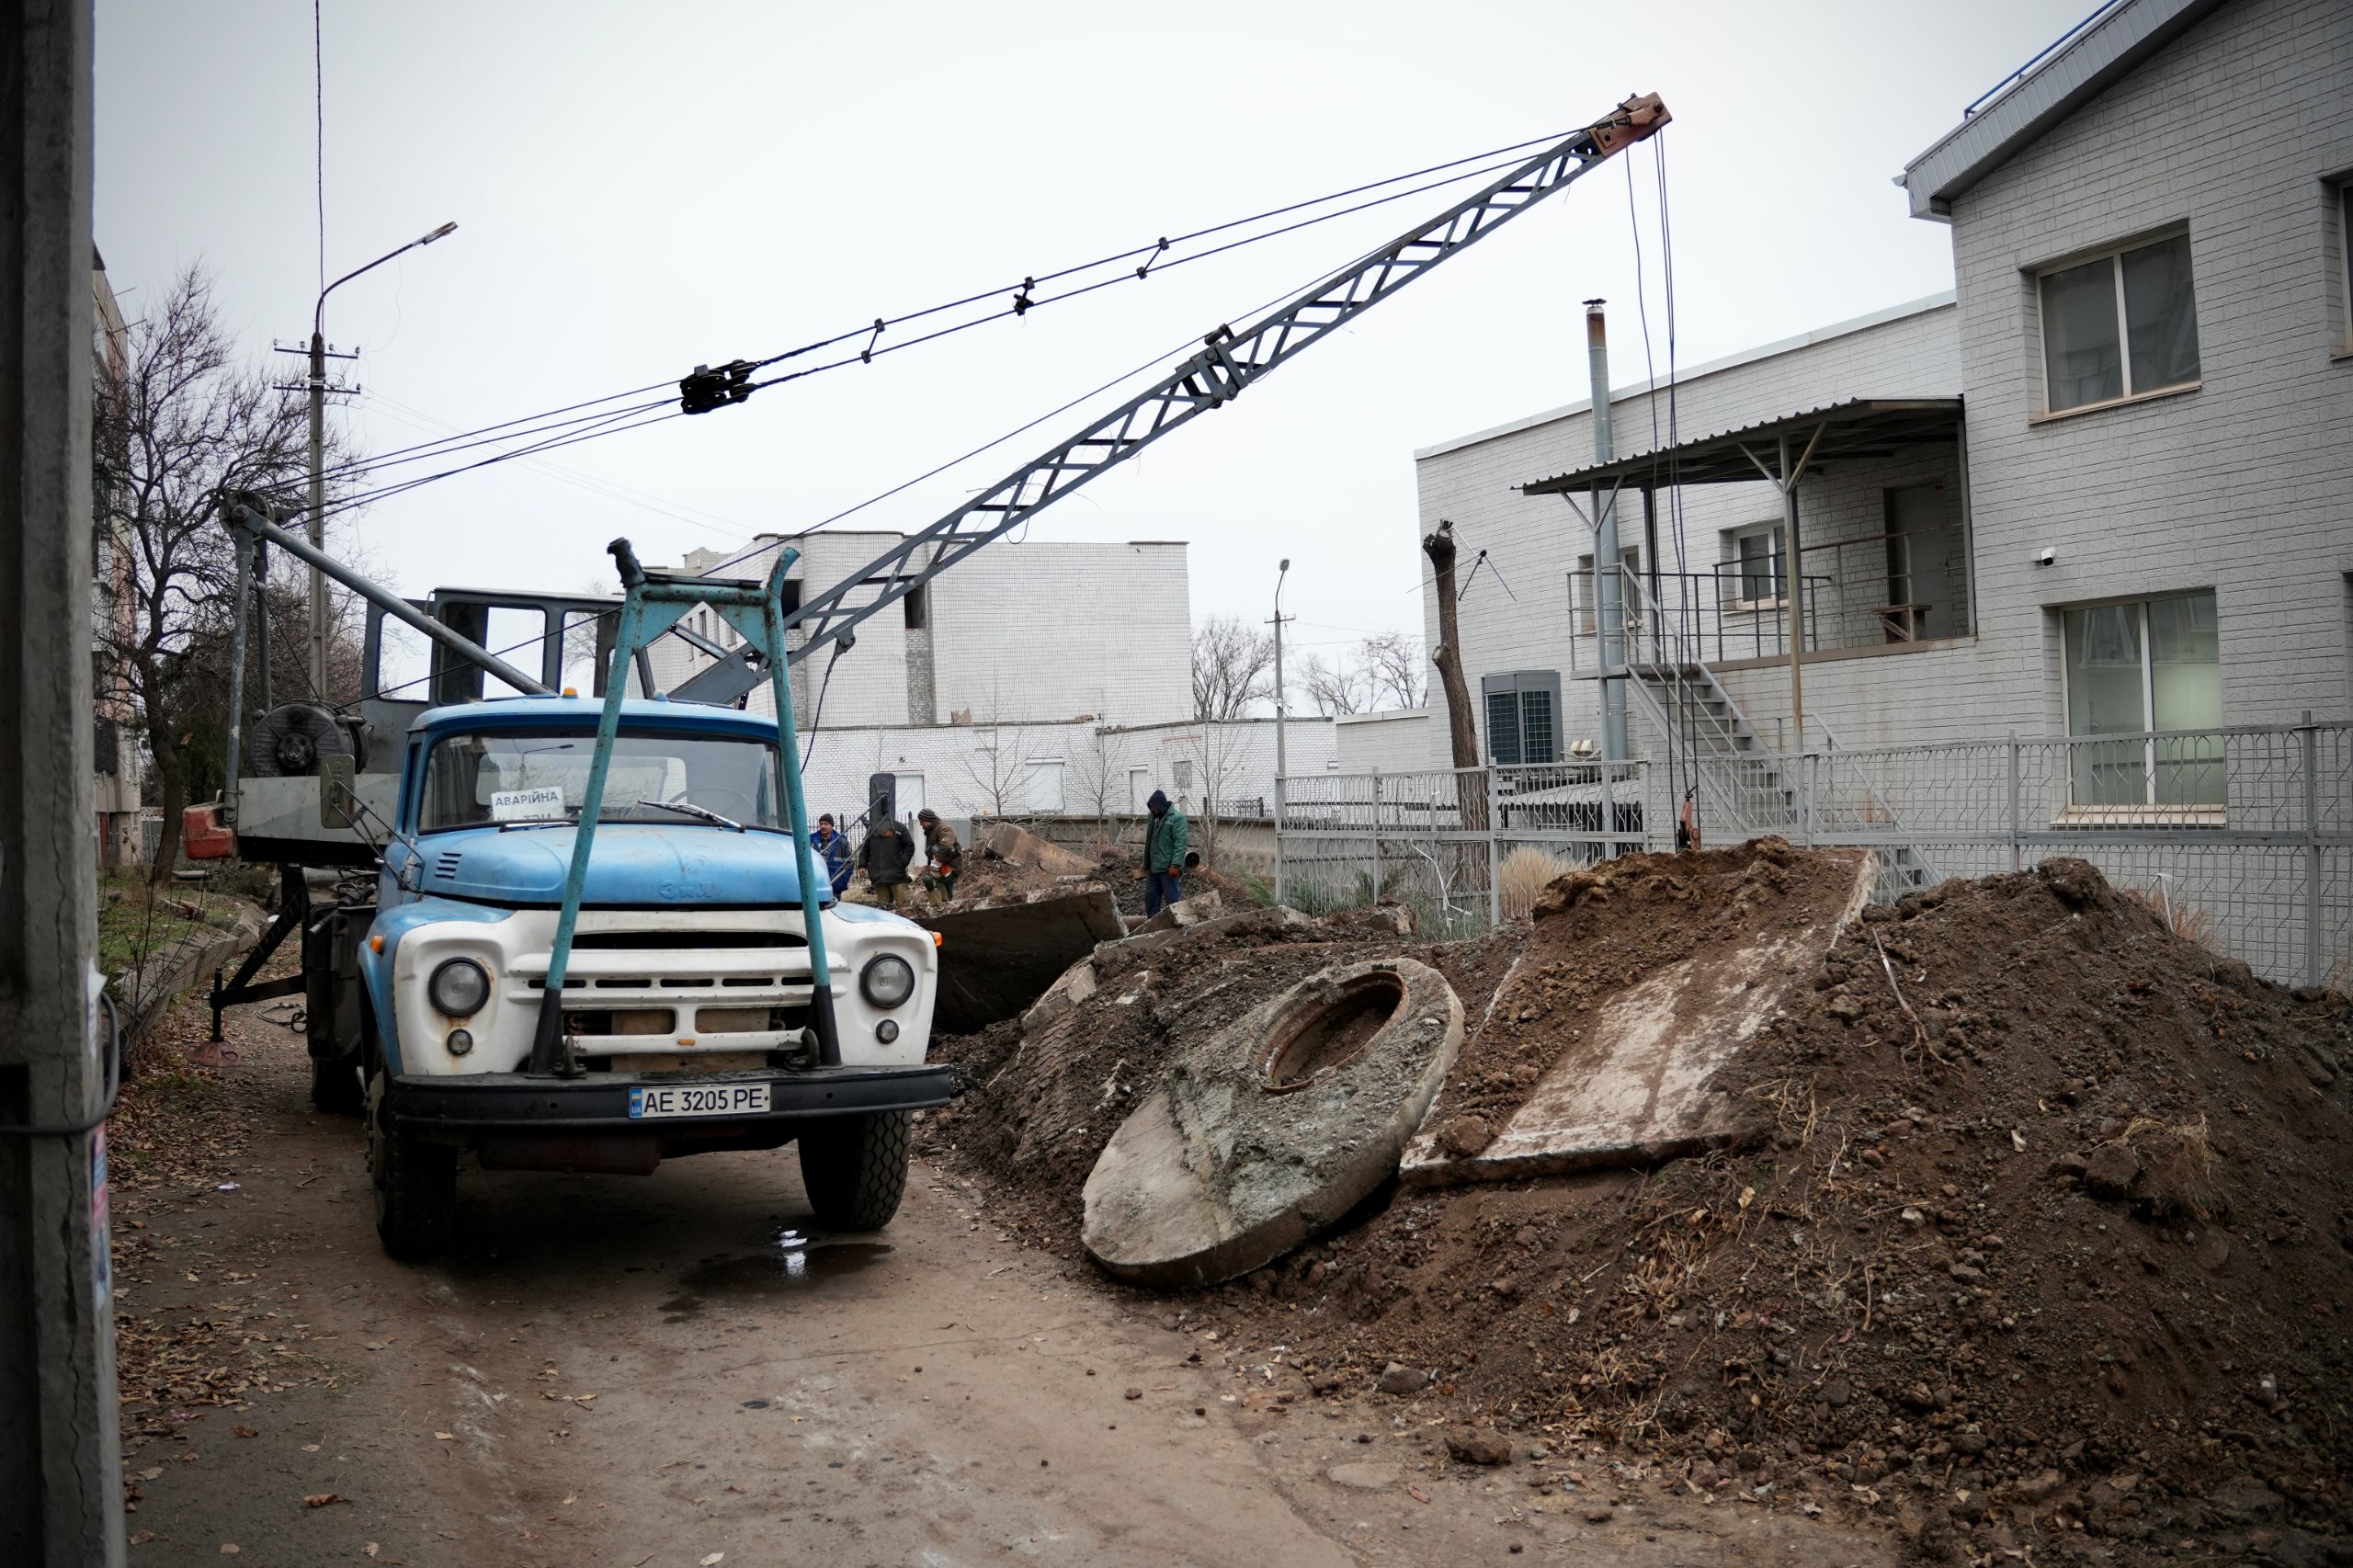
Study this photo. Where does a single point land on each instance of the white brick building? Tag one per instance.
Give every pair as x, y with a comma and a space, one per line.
1027, 680
1013, 633
2144, 376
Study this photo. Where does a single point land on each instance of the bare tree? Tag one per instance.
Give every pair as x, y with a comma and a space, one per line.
1336, 685
1099, 768
1232, 668
1396, 670
182, 423
1221, 755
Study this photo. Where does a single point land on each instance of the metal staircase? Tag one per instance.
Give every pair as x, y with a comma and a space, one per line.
1745, 788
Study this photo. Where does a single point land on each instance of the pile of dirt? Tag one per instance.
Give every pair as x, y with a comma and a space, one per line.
990, 876
2036, 1236
1036, 1109
1600, 932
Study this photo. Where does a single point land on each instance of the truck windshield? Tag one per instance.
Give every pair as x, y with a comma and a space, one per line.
478, 780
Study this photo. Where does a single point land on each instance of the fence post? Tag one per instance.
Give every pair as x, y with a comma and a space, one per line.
2017, 854
2310, 762
1609, 816
1495, 848
1376, 835
1805, 800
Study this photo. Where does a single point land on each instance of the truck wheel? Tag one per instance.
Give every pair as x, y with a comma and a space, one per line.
334, 1086
856, 1169
415, 1185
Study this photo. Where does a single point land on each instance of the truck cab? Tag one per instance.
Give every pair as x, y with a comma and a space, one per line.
688, 1015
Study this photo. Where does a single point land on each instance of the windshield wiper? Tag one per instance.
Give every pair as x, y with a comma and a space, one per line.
689, 809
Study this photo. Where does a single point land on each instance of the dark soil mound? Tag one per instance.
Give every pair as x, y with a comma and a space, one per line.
1037, 1111
2039, 1238
1598, 932
2046, 1227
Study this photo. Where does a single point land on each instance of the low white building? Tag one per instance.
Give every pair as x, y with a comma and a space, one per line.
1047, 679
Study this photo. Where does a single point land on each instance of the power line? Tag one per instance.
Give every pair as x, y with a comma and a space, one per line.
740, 387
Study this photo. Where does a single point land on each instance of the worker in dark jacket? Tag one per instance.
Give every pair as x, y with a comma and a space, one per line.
885, 856
1163, 854
834, 850
945, 853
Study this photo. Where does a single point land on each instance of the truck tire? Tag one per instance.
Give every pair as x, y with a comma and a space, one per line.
334, 1086
854, 1168
415, 1185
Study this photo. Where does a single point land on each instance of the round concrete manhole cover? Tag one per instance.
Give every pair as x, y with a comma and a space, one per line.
1273, 1128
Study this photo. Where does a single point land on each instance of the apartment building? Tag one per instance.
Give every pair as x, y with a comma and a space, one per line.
2106, 486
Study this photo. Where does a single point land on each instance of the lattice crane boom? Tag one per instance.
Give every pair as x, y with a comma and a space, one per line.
1229, 361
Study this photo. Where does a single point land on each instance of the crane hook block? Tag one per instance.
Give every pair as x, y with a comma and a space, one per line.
715, 387
1635, 121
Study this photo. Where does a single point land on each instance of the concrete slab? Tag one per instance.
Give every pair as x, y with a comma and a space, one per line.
997, 957
1020, 847
1273, 1128
1630, 1090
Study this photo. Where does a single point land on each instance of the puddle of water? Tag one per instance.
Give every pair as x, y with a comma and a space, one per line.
794, 1261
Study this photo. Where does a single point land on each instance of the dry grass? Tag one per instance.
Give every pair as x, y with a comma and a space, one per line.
1525, 873
2183, 918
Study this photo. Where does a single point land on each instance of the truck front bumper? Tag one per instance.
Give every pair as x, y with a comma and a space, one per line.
515, 1101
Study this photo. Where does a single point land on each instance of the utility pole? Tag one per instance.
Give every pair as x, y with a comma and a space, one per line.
318, 388
316, 385
1609, 589
1282, 711
61, 1465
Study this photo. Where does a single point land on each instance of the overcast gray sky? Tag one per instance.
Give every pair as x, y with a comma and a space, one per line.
641, 187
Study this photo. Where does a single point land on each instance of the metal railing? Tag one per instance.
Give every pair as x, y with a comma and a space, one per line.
2241, 838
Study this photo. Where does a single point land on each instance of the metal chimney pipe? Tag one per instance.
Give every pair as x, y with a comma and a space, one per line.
1609, 586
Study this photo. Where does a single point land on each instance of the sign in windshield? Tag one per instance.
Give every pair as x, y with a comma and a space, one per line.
481, 780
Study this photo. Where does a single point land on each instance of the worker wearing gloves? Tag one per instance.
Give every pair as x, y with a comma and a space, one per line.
885, 856
946, 855
1163, 854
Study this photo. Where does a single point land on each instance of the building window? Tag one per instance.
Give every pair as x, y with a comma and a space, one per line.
918, 606
1180, 773
1046, 787
2120, 325
2148, 669
2344, 254
1523, 716
1586, 594
1757, 576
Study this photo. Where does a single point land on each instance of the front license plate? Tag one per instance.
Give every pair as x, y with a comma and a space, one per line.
699, 1100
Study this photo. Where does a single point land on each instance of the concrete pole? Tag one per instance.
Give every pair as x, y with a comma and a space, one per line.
1609, 589
61, 1467
1793, 579
1282, 709
318, 387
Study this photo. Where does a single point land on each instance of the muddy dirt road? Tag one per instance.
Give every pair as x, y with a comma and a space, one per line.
655, 1371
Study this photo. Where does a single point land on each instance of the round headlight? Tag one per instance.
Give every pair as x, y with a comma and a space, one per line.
458, 988
887, 980
887, 1030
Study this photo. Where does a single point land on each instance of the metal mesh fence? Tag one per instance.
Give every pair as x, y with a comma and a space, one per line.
2241, 838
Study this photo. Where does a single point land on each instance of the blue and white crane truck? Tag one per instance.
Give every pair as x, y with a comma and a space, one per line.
586, 942
572, 933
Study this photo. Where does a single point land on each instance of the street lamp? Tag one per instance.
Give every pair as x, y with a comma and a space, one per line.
318, 388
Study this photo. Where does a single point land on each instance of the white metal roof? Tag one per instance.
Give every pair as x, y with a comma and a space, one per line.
1689, 373
2053, 87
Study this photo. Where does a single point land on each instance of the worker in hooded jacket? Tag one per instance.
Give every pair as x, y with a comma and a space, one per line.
885, 856
945, 854
1163, 853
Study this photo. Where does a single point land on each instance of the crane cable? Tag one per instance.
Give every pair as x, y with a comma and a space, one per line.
1023, 301
1184, 346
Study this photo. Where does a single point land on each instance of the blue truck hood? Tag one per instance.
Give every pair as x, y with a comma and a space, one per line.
632, 863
